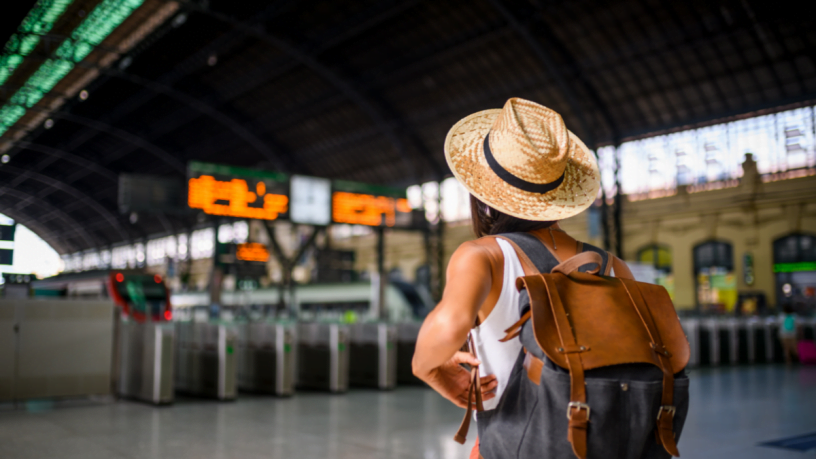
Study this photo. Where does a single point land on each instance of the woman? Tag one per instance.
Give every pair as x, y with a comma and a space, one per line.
525, 172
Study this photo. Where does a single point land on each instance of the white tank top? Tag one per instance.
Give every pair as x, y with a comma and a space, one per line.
498, 358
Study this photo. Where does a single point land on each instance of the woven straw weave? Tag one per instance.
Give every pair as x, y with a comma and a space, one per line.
532, 143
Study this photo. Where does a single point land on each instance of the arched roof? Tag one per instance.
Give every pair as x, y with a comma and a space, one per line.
366, 90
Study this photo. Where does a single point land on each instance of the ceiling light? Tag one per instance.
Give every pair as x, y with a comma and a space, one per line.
37, 23
49, 123
83, 95
5, 158
98, 24
125, 63
179, 20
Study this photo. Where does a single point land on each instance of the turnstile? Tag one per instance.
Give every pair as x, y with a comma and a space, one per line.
205, 359
373, 355
407, 333
691, 326
145, 361
266, 360
323, 356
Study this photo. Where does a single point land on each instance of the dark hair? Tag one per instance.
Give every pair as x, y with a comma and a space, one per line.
487, 221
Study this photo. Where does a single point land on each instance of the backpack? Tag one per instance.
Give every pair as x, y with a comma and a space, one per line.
601, 372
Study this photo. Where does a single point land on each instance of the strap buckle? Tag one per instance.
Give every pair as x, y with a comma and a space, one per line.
578, 405
667, 408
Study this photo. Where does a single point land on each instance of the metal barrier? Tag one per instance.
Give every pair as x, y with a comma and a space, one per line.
145, 360
266, 359
323, 356
55, 348
205, 359
407, 333
737, 340
373, 355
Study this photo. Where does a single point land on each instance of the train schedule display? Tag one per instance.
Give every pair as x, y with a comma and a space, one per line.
237, 192
229, 191
362, 204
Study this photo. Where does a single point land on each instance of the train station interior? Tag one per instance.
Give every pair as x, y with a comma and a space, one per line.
223, 224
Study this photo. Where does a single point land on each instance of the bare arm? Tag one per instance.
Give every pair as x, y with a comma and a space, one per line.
436, 359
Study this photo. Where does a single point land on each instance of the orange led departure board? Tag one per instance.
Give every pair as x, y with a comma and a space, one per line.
236, 192
367, 209
252, 251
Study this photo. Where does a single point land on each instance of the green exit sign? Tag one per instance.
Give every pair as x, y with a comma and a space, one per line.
794, 267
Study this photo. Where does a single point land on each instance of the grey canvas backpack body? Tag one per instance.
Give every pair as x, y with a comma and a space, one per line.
565, 404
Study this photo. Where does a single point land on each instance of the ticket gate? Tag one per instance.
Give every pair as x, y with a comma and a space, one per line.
709, 341
266, 359
323, 356
407, 333
145, 355
691, 326
808, 329
205, 359
373, 355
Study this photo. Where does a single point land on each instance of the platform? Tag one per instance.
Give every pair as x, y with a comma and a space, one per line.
732, 411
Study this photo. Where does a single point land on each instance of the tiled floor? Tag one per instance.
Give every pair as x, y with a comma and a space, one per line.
732, 410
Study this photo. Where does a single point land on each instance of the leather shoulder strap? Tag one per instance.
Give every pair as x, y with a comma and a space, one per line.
605, 257
621, 270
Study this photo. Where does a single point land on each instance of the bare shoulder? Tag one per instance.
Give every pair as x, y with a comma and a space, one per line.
479, 251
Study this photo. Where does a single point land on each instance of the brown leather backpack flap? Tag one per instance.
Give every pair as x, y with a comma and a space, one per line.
668, 324
604, 322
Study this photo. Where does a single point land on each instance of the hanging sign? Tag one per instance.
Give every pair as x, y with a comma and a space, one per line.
252, 251
237, 192
361, 204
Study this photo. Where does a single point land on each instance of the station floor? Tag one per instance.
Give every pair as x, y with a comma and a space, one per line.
732, 411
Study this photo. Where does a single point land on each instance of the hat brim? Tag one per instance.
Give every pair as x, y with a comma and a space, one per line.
464, 154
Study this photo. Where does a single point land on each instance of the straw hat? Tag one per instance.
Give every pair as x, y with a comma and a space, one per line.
522, 160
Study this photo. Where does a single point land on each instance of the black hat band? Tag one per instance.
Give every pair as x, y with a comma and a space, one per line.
514, 181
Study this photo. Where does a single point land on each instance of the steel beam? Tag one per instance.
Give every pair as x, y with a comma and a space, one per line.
75, 193
70, 157
374, 112
60, 214
544, 56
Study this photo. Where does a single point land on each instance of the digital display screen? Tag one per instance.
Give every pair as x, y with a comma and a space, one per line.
360, 204
237, 192
310, 200
252, 251
249, 193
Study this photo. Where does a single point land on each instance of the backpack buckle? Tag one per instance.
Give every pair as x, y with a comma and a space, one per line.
668, 408
580, 406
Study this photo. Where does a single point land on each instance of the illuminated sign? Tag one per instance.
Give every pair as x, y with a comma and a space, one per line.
252, 251
248, 193
794, 267
361, 204
311, 200
237, 192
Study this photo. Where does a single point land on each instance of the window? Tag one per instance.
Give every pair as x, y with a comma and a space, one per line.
660, 257
655, 166
714, 275
795, 272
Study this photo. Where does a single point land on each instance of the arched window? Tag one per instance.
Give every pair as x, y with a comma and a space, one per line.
714, 275
660, 257
795, 271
